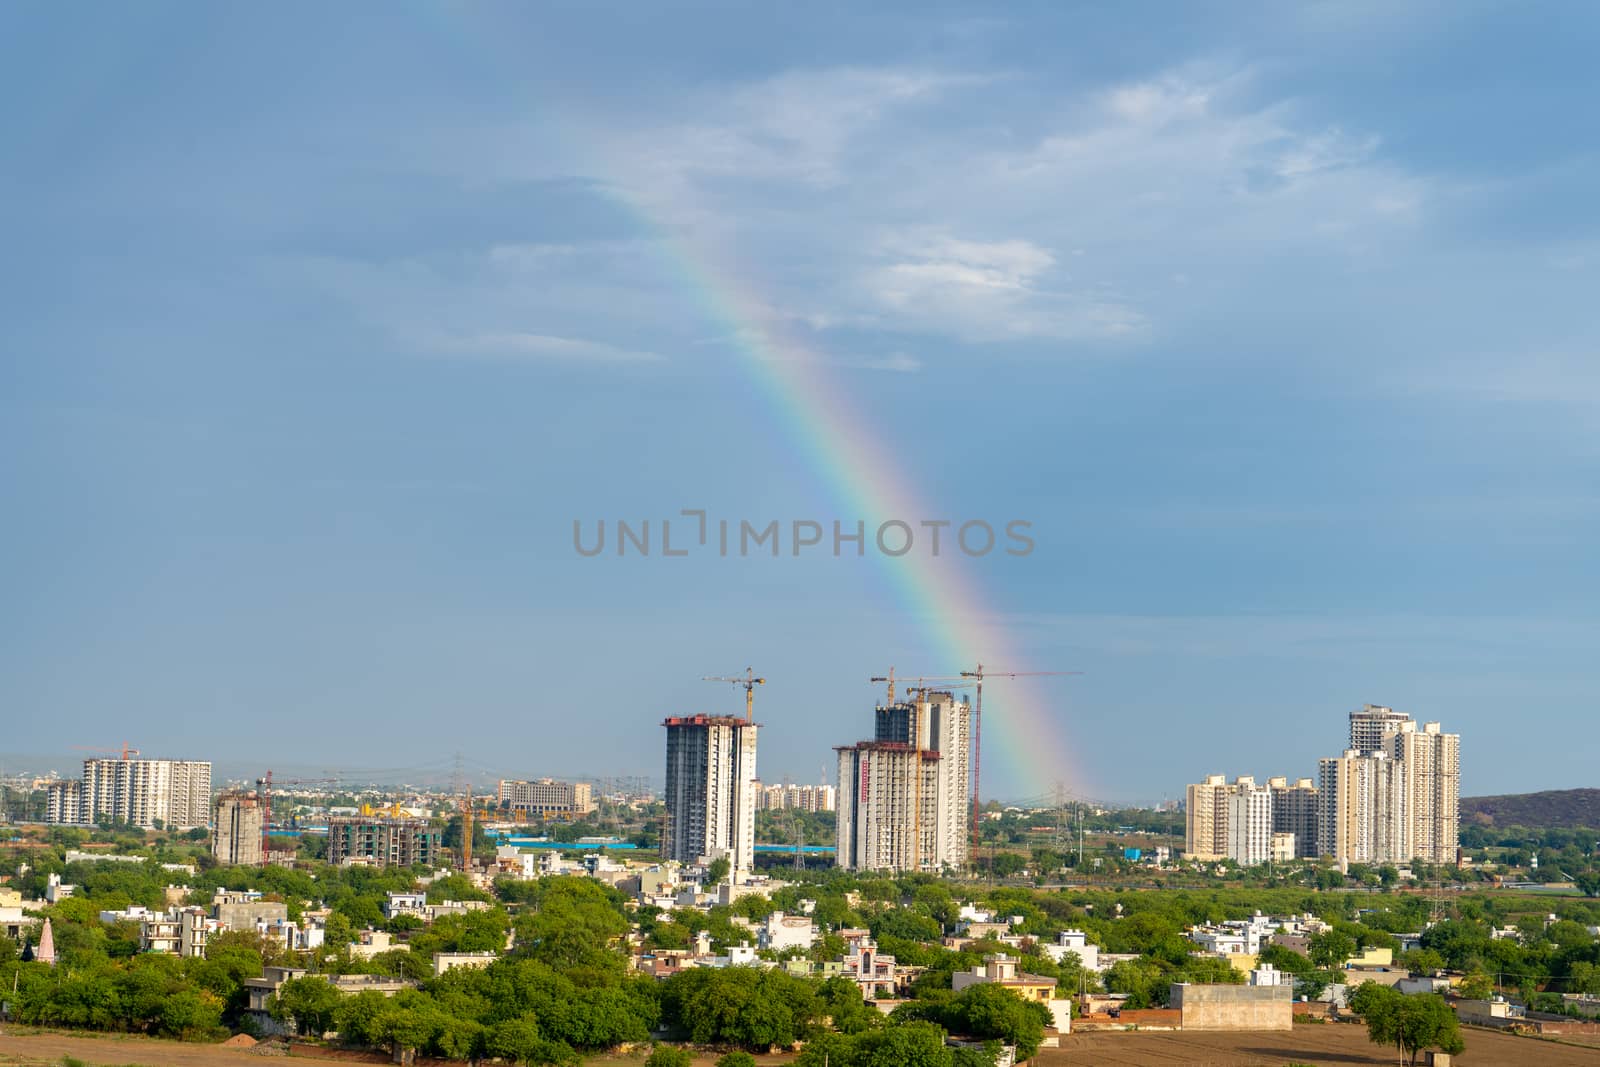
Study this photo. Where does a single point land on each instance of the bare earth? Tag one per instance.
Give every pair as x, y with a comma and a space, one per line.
1332, 1045
1322, 1046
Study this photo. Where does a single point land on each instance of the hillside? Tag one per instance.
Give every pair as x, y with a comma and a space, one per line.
1552, 808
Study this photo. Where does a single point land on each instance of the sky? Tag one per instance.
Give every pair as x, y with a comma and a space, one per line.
324, 326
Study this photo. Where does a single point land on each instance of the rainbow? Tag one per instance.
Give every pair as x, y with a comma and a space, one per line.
1024, 744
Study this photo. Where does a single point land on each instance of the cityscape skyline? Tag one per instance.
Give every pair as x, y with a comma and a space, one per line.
1287, 367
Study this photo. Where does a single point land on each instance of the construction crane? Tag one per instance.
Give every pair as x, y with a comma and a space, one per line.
749, 683
125, 750
979, 674
264, 791
887, 678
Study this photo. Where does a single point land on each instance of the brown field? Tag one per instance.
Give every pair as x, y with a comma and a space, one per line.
1331, 1045
1322, 1046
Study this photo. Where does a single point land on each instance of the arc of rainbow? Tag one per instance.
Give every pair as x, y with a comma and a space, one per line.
821, 422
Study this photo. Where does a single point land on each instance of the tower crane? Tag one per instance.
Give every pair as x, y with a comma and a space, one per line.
264, 790
748, 683
125, 750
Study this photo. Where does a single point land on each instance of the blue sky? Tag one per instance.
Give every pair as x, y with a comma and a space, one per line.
322, 326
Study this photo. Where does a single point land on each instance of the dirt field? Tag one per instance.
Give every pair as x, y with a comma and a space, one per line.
1322, 1046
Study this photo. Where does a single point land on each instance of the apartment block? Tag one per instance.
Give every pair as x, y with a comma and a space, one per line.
175, 794
904, 798
1205, 835
64, 801
1431, 764
797, 797
1371, 725
711, 790
1294, 811
238, 822
547, 798
1249, 823
382, 841
1364, 815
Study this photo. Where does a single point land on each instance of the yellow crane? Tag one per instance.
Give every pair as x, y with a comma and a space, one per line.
748, 683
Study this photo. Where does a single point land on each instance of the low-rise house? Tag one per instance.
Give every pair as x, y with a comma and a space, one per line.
397, 904
1001, 969
295, 937
14, 918
261, 991
780, 932
1077, 942
449, 961
370, 943
875, 972
1267, 974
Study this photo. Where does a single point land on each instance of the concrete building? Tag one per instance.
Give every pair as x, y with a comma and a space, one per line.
243, 909
1363, 817
1294, 811
905, 797
1430, 761
1078, 943
1370, 726
796, 797
64, 801
781, 931
238, 821
711, 794
1249, 823
175, 794
1205, 834
1233, 1007
1001, 970
547, 798
382, 841
1226, 820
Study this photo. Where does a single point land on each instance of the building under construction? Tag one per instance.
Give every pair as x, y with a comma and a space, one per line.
711, 790
904, 797
237, 824
382, 841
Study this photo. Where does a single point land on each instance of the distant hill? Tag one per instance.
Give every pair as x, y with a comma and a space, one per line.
1552, 808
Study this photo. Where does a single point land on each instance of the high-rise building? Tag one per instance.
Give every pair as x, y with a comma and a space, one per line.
175, 794
1363, 817
904, 798
382, 841
1205, 836
236, 828
1295, 811
711, 791
1370, 726
64, 801
1430, 761
1249, 823
547, 798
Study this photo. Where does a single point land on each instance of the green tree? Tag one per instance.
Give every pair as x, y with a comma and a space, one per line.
310, 1002
717, 871
1410, 1023
1476, 985
737, 1058
1331, 948
1588, 882
669, 1056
